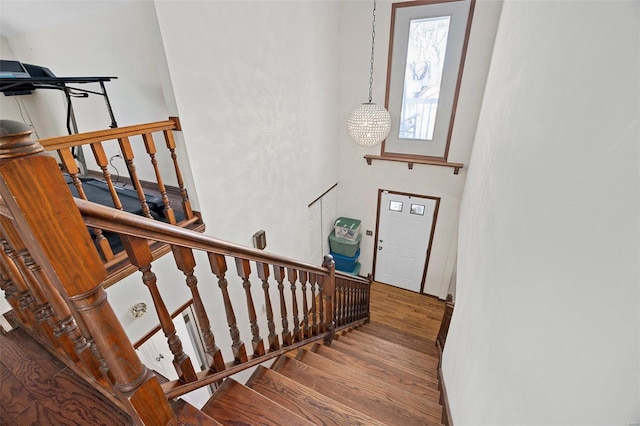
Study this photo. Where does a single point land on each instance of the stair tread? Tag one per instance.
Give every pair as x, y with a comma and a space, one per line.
359, 396
234, 404
429, 378
419, 343
392, 392
400, 378
188, 415
304, 401
392, 351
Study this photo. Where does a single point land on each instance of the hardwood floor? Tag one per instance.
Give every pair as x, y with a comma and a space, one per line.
37, 389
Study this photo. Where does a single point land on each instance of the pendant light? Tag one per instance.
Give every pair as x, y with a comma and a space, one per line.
369, 123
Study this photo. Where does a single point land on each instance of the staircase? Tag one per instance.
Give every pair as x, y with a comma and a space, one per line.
352, 382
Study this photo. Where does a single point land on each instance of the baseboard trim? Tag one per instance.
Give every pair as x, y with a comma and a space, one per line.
446, 419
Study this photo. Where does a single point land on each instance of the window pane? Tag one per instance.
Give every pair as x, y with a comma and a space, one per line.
395, 206
426, 49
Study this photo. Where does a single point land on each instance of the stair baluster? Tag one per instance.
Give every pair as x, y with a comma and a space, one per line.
186, 262
292, 275
263, 274
140, 255
244, 271
313, 279
150, 146
305, 305
279, 274
218, 265
127, 152
171, 145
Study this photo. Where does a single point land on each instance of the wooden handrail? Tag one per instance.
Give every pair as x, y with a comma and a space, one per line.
69, 141
129, 224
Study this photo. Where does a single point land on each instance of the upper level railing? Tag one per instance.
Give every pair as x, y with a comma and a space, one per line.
53, 275
149, 198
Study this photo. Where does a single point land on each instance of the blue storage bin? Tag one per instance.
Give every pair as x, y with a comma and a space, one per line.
345, 263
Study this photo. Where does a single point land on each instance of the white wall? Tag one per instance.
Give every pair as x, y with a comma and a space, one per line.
256, 84
546, 327
359, 183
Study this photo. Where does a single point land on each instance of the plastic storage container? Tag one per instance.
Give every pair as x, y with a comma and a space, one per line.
345, 263
343, 246
347, 228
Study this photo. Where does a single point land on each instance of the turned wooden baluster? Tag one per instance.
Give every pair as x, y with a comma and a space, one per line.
69, 163
65, 328
292, 275
287, 338
31, 300
141, 257
218, 265
12, 295
313, 279
244, 270
186, 262
26, 266
171, 145
352, 301
151, 150
341, 303
304, 276
329, 294
127, 152
263, 274
46, 218
321, 326
103, 162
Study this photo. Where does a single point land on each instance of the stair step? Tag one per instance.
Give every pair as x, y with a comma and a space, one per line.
405, 380
430, 379
360, 396
396, 394
401, 337
304, 401
234, 404
188, 415
393, 351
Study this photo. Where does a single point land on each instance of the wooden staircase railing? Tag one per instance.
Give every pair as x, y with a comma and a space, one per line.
53, 274
128, 141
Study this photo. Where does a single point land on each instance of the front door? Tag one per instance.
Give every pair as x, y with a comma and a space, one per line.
405, 227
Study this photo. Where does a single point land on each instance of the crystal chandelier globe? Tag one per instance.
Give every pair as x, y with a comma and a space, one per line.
369, 123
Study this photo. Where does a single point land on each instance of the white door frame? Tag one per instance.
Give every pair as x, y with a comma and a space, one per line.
432, 231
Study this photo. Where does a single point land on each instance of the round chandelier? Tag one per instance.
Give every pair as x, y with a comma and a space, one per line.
369, 123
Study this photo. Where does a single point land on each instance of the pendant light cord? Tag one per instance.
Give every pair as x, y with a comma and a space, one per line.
373, 45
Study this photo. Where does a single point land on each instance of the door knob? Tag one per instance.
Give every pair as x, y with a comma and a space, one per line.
379, 247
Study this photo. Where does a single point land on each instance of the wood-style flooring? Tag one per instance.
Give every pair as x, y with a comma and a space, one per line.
37, 389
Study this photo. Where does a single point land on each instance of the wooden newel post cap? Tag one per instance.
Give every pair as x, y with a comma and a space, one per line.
15, 140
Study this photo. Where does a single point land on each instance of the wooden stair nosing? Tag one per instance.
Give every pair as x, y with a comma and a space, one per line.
419, 343
235, 404
306, 402
396, 394
364, 400
430, 378
395, 351
400, 378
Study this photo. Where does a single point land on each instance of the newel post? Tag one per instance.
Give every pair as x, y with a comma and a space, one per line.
329, 291
52, 228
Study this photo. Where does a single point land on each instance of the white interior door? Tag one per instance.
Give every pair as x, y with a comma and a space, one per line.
404, 230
